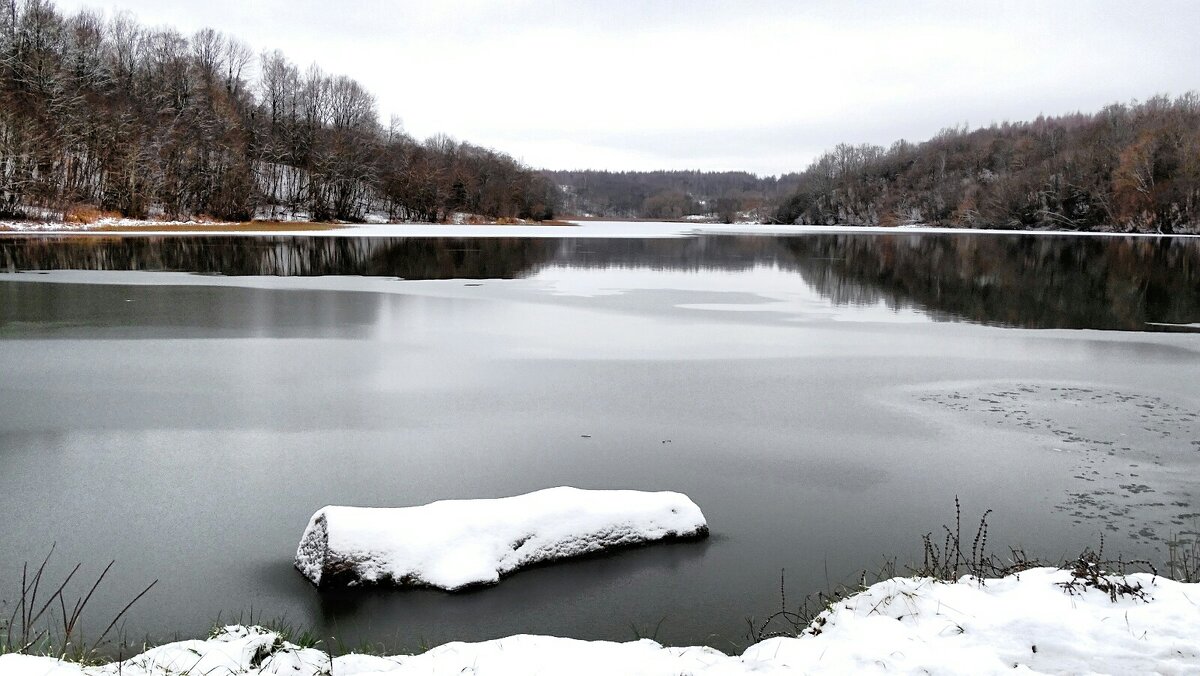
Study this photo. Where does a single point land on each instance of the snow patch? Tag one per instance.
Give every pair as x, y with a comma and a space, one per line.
1028, 620
454, 544
1028, 623
99, 223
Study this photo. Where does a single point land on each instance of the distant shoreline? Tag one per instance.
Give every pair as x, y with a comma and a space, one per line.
150, 227
571, 228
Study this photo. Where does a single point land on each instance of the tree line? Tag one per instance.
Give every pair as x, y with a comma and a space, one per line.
723, 196
104, 112
1129, 168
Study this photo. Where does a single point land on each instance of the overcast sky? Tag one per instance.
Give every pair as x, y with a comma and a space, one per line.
758, 85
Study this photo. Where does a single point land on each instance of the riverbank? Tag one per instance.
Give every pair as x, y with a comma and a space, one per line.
575, 228
1039, 621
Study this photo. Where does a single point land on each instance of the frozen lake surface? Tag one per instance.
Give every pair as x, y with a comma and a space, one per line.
823, 397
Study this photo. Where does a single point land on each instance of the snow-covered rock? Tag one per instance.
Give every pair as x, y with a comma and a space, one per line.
453, 544
1026, 623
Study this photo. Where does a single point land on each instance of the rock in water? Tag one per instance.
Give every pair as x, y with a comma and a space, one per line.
452, 544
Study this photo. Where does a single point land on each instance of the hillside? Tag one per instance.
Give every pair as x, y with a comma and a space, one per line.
1126, 168
103, 114
724, 196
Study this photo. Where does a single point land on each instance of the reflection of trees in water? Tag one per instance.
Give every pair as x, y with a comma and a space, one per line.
1032, 281
687, 254
410, 258
1015, 280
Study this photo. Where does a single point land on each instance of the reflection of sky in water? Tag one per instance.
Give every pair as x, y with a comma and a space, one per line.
776, 290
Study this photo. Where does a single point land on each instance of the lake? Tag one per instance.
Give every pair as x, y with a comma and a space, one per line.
184, 404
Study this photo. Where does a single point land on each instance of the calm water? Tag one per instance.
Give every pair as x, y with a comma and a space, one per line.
823, 399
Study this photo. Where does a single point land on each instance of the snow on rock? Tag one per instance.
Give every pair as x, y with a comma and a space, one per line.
1027, 623
454, 544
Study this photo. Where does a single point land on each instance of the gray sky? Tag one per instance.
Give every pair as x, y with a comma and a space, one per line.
758, 85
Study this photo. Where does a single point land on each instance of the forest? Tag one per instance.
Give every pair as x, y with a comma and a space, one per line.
1128, 168
725, 196
102, 113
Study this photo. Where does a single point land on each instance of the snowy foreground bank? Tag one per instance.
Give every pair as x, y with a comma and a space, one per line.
453, 544
1028, 622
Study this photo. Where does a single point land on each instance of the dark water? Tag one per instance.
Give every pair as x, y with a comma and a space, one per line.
822, 398
1027, 281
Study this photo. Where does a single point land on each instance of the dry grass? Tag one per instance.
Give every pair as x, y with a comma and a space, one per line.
37, 627
83, 214
1184, 562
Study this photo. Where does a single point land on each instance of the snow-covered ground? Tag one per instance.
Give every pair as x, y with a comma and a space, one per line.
1027, 623
453, 544
101, 224
639, 229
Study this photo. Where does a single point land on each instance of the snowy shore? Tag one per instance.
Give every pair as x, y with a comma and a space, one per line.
452, 544
574, 229
1040, 621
